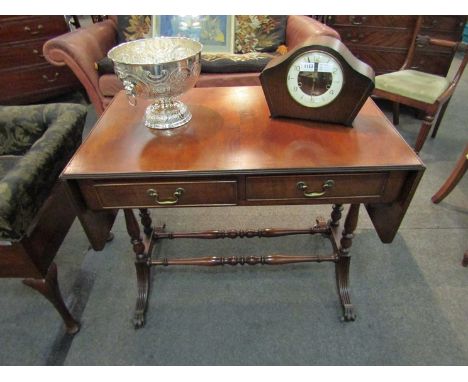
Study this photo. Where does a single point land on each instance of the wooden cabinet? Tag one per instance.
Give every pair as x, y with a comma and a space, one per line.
25, 75
383, 41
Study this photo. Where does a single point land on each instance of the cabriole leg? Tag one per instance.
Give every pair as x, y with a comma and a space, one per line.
49, 288
343, 262
142, 268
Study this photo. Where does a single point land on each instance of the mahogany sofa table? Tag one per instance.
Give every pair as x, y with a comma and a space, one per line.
232, 153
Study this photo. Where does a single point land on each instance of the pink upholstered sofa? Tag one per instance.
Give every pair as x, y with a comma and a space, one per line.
82, 48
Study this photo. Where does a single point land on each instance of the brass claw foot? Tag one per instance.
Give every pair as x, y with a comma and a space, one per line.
139, 320
348, 313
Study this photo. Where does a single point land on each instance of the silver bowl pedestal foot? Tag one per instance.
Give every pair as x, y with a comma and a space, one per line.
167, 114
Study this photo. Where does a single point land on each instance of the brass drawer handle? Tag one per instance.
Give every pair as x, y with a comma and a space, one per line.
36, 51
357, 20
154, 194
354, 38
301, 186
56, 76
33, 33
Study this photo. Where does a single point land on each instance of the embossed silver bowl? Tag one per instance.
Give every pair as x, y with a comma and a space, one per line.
162, 69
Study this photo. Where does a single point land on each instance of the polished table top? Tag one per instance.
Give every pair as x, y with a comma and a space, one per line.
231, 132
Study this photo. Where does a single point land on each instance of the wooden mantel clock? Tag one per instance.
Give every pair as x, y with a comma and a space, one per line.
319, 80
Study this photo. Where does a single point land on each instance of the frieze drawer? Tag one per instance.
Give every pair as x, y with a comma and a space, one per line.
34, 80
162, 194
373, 21
324, 187
30, 27
22, 54
380, 37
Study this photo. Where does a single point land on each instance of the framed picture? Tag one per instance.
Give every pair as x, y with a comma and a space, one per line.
216, 33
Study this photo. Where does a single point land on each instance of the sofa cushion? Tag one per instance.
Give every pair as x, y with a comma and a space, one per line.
210, 63
25, 187
234, 63
133, 27
259, 33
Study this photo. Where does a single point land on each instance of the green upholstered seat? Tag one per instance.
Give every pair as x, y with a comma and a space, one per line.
416, 85
36, 142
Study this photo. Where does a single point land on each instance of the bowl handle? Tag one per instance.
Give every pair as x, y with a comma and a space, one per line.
129, 88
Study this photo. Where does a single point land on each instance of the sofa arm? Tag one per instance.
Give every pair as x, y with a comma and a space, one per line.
20, 129
27, 185
300, 28
80, 49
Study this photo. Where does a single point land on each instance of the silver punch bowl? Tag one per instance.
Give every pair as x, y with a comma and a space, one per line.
160, 68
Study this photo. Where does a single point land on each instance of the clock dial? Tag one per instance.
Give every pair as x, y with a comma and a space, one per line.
314, 79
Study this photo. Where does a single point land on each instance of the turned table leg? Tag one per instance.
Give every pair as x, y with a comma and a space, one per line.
146, 221
49, 288
343, 262
142, 268
336, 215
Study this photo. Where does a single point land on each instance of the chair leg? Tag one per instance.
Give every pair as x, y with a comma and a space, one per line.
439, 118
49, 288
465, 259
453, 179
423, 132
396, 113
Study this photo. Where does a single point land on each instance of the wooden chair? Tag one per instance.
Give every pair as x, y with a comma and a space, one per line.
424, 91
453, 179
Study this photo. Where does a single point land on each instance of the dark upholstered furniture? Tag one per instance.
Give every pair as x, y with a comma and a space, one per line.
36, 142
80, 50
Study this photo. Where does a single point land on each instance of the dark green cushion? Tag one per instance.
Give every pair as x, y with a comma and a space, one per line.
234, 63
213, 63
27, 185
259, 33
